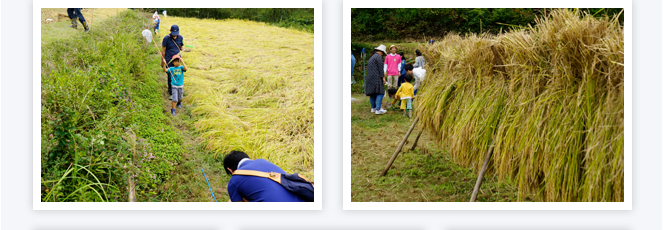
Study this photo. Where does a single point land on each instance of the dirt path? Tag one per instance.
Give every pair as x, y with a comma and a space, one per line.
187, 183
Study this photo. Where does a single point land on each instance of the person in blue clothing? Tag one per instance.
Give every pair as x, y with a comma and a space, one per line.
401, 79
171, 45
156, 24
252, 188
76, 13
352, 79
177, 72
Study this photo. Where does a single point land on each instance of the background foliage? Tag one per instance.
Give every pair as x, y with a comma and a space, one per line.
299, 18
369, 24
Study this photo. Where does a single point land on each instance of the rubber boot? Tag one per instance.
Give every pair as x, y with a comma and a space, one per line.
74, 23
87, 28
409, 113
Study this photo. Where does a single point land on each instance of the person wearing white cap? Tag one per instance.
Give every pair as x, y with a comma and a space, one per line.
374, 82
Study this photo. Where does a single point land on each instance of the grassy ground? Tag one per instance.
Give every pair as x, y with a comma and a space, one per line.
59, 27
422, 175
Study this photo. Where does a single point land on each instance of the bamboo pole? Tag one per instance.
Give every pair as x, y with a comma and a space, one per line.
416, 140
400, 146
132, 190
484, 168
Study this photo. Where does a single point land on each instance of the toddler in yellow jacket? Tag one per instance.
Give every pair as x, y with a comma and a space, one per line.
405, 93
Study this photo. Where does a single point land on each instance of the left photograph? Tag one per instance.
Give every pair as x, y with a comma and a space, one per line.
176, 105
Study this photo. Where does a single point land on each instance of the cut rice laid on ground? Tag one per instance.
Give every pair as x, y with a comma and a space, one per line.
252, 86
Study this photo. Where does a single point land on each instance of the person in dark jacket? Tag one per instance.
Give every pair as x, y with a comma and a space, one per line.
172, 44
252, 188
375, 79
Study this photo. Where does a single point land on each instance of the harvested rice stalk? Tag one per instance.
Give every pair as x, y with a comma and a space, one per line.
252, 84
558, 118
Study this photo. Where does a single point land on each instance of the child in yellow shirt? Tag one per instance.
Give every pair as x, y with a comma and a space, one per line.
405, 93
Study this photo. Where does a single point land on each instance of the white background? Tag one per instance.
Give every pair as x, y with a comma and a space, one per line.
16, 149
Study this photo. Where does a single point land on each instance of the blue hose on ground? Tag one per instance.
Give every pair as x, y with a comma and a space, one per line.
210, 187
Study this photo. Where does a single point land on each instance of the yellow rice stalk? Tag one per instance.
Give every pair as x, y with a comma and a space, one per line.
556, 112
252, 86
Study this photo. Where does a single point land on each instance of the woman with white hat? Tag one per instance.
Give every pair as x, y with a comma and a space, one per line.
375, 79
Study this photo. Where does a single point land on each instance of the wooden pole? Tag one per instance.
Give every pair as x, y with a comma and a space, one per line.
416, 140
477, 185
400, 146
132, 190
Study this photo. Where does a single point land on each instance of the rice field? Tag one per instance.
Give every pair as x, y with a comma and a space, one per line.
551, 97
251, 86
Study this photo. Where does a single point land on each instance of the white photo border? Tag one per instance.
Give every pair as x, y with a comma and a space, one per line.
628, 79
36, 108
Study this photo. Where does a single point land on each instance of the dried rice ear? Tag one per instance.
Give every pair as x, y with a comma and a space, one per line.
554, 106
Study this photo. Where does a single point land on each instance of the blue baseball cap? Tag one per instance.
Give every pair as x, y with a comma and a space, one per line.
175, 30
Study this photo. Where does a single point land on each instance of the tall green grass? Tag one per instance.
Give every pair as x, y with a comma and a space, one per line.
555, 108
102, 115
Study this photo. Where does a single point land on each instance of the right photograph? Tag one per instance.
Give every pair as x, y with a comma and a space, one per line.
488, 105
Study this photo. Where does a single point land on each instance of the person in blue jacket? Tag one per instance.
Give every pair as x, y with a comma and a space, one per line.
253, 188
171, 45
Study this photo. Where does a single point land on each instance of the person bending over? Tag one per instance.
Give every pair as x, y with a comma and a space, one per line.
252, 188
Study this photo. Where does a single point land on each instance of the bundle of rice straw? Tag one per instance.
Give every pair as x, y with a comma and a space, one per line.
551, 96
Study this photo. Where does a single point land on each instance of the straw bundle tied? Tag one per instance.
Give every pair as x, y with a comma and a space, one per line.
555, 105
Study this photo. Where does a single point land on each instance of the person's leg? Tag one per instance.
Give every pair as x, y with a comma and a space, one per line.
378, 101
78, 13
403, 104
372, 99
72, 17
409, 108
180, 97
70, 13
170, 87
174, 98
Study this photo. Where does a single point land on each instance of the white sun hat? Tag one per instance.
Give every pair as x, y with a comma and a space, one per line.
381, 48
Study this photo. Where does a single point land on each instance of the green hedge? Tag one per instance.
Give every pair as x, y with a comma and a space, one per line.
401, 23
301, 19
